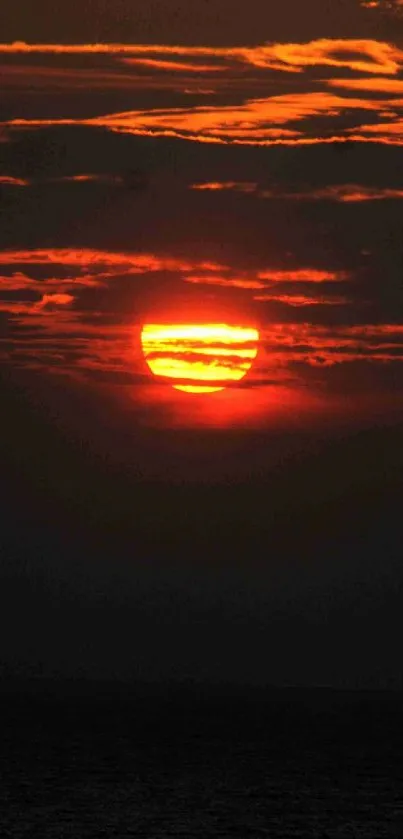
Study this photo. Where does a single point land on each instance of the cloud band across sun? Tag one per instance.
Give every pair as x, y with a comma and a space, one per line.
199, 358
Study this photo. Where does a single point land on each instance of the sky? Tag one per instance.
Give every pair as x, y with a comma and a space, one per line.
170, 158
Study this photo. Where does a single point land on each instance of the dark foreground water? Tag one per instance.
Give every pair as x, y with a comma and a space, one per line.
97, 762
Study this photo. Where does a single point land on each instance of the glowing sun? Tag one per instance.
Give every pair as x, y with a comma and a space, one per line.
199, 358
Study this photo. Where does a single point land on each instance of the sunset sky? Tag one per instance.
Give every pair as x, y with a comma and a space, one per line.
156, 160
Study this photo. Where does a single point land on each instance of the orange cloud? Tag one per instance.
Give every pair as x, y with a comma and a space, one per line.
385, 5
302, 299
364, 55
89, 259
269, 120
50, 300
373, 84
391, 132
354, 193
347, 193
175, 66
11, 307
94, 268
87, 179
47, 303
318, 345
7, 180
303, 275
309, 336
18, 281
257, 121
217, 186
254, 121
59, 327
263, 279
65, 345
226, 282
372, 56
79, 178
315, 332
97, 268
26, 78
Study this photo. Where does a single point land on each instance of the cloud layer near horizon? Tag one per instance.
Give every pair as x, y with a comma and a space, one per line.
78, 312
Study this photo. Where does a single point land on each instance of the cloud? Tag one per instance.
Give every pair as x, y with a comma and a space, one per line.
8, 180
302, 299
48, 301
306, 336
354, 193
303, 275
95, 260
257, 121
90, 178
226, 282
50, 79
20, 281
394, 6
364, 55
269, 278
391, 132
345, 193
269, 121
373, 84
307, 113
98, 269
219, 186
173, 66
320, 346
289, 296
286, 350
68, 324
25, 296
370, 56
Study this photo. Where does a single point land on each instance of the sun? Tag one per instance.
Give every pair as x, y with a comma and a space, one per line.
199, 357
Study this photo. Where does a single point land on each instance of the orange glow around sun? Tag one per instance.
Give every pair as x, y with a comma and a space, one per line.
199, 358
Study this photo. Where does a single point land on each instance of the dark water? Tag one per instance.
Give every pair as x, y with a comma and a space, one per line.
286, 764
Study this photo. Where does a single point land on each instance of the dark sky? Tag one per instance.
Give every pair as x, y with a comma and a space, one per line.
248, 162
203, 22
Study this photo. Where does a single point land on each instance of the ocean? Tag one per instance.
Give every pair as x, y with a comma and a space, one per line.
195, 762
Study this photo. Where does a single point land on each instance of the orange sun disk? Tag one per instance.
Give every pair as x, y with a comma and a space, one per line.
199, 358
